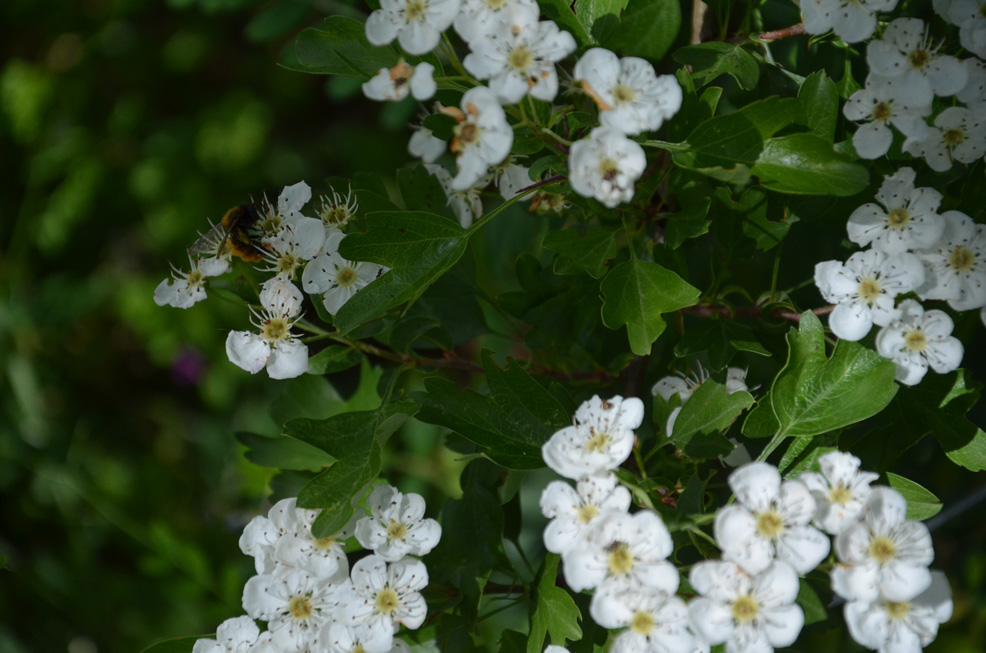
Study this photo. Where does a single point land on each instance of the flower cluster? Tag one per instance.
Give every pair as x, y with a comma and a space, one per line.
912, 248
310, 598
286, 244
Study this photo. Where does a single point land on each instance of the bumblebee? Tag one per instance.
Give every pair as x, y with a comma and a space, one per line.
237, 231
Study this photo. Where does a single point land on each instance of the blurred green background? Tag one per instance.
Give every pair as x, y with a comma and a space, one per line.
123, 126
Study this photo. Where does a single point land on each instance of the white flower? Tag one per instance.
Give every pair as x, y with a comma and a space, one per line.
416, 24
905, 218
970, 16
575, 511
478, 18
919, 339
623, 553
605, 166
295, 605
865, 288
840, 490
425, 146
336, 211
631, 97
290, 202
750, 613
906, 55
385, 596
957, 136
600, 439
467, 205
393, 84
338, 278
974, 93
296, 242
736, 380
769, 519
682, 385
883, 555
901, 626
184, 289
235, 635
655, 622
345, 639
483, 136
520, 58
877, 105
512, 179
956, 265
274, 347
851, 21
397, 526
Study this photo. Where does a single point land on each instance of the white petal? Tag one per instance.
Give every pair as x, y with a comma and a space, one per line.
247, 350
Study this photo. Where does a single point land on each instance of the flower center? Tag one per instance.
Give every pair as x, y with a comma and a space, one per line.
287, 263
897, 610
608, 169
587, 513
898, 219
396, 531
324, 543
346, 277
520, 58
840, 495
962, 259
359, 649
882, 549
745, 609
915, 340
195, 278
953, 137
496, 5
642, 623
919, 58
415, 10
387, 600
275, 329
869, 289
620, 560
467, 133
623, 93
597, 442
769, 523
882, 112
300, 607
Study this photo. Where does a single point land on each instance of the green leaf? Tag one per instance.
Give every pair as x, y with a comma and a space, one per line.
820, 99
814, 394
636, 293
305, 396
283, 452
334, 358
421, 190
277, 19
553, 610
921, 504
691, 221
418, 248
579, 253
510, 426
806, 164
812, 605
708, 410
180, 645
709, 60
726, 147
354, 440
647, 29
339, 47
562, 13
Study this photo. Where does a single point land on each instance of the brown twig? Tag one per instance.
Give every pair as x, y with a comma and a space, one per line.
777, 34
710, 310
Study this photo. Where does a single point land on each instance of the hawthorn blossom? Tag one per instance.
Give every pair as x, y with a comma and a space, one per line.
512, 179
296, 242
478, 18
904, 218
956, 265
840, 490
383, 596
274, 347
655, 623
184, 289
749, 612
864, 289
605, 166
957, 136
291, 200
236, 635
397, 526
682, 385
519, 58
973, 95
901, 626
600, 439
574, 512
295, 605
425, 146
970, 16
770, 519
919, 339
467, 205
416, 24
851, 21
483, 136
336, 211
631, 97
345, 639
906, 55
394, 84
883, 555
878, 106
336, 277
